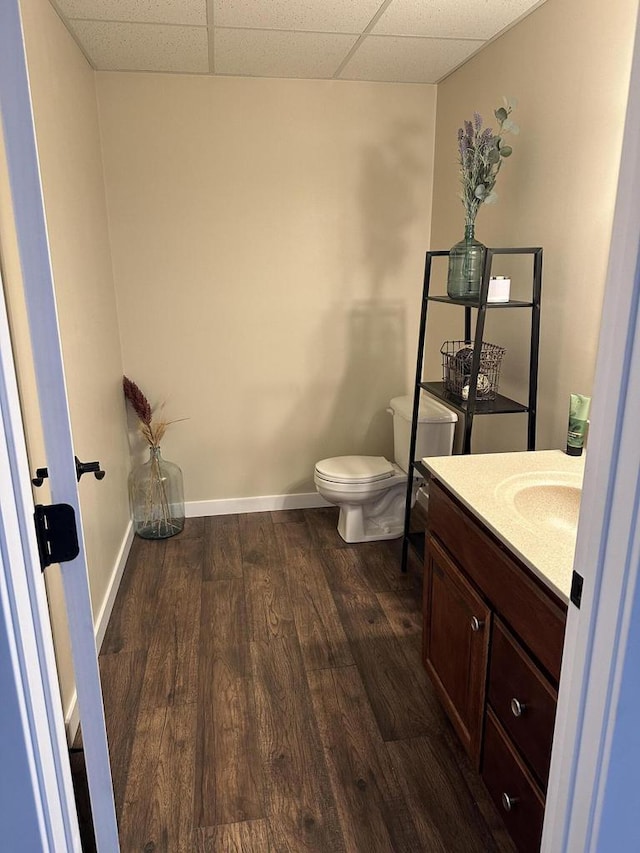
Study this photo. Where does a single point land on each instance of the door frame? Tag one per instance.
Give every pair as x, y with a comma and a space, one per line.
608, 544
37, 281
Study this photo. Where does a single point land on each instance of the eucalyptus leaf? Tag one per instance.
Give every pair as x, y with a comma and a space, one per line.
480, 155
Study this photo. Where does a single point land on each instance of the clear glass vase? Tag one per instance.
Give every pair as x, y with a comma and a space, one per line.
156, 496
466, 265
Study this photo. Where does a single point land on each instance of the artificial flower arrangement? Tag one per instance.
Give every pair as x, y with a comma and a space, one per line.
481, 153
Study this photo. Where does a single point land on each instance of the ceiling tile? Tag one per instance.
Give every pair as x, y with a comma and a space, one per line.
332, 16
151, 11
143, 47
475, 19
273, 53
407, 60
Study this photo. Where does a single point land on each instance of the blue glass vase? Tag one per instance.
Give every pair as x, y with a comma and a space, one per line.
466, 265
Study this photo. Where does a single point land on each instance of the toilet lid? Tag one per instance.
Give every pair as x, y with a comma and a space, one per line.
355, 469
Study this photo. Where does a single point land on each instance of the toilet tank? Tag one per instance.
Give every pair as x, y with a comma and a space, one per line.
436, 426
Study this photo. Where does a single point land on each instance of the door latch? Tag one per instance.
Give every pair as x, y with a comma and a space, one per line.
577, 582
57, 533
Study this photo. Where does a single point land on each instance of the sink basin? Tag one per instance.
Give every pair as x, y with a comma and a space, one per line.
548, 501
557, 506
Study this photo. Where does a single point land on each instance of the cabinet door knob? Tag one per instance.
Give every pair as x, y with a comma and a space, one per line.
508, 802
517, 708
476, 624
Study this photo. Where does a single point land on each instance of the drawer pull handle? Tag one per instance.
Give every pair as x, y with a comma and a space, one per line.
517, 708
476, 624
508, 802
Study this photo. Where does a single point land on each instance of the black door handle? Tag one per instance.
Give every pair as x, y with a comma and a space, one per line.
89, 468
81, 468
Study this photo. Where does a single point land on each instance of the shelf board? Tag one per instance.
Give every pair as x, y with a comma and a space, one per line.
511, 250
500, 406
474, 303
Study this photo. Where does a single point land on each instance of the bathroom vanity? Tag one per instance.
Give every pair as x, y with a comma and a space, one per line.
498, 561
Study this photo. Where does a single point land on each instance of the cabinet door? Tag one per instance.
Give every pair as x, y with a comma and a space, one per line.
456, 645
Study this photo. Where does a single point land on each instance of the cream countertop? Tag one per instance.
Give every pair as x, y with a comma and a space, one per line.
491, 486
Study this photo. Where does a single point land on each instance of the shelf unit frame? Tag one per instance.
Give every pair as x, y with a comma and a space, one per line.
472, 406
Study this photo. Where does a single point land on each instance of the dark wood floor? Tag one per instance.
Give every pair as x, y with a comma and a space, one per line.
263, 692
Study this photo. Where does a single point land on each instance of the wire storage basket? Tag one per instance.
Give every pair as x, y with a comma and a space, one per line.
457, 358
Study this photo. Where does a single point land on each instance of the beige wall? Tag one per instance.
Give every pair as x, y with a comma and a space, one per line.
268, 239
66, 119
568, 65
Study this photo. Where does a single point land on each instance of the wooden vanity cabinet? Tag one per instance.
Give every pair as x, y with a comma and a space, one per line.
492, 646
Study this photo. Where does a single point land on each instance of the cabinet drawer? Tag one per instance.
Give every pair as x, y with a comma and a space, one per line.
512, 788
534, 613
523, 700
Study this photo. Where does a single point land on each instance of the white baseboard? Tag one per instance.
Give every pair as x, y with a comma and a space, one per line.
264, 503
114, 584
72, 714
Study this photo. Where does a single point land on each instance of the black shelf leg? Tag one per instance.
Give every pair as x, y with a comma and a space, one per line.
416, 408
535, 349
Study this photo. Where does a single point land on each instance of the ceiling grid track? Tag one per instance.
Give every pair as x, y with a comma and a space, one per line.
211, 35
383, 8
390, 41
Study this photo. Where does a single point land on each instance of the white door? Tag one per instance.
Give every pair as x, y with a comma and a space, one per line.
37, 810
26, 193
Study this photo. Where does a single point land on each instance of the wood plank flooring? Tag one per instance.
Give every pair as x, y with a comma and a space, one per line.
264, 693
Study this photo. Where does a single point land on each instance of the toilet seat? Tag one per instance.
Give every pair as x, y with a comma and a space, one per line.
370, 492
355, 470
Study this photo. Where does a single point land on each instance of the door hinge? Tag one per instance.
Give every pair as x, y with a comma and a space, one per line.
57, 533
577, 582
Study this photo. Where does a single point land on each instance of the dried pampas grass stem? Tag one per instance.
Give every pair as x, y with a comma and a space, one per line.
151, 429
154, 432
138, 401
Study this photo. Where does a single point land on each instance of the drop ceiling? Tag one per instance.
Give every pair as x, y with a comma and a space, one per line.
405, 41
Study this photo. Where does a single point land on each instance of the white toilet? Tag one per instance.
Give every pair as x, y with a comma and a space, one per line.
370, 490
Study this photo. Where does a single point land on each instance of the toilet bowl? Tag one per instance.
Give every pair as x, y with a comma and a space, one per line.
371, 491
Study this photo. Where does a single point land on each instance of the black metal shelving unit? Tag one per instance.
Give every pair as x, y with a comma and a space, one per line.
472, 407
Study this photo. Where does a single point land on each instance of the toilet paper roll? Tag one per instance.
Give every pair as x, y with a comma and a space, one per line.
499, 289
